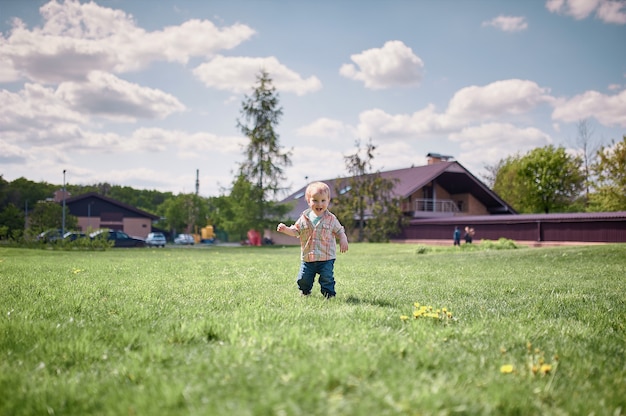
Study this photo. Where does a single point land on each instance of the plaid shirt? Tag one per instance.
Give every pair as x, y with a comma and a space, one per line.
318, 242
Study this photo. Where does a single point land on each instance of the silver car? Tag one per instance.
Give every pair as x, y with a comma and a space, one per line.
155, 240
184, 239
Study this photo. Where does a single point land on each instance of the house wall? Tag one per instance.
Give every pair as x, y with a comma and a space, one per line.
474, 207
137, 227
283, 239
562, 230
470, 205
88, 224
441, 193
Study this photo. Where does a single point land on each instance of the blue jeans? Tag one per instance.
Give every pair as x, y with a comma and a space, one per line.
325, 269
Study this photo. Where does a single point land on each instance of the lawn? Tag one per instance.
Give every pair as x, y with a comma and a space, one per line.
223, 331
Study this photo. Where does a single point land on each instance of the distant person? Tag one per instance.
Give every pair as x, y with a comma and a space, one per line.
267, 238
469, 235
457, 236
318, 230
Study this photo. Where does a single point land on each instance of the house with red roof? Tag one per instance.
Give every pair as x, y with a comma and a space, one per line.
443, 194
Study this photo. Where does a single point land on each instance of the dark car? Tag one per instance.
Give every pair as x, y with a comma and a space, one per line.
120, 238
73, 235
50, 236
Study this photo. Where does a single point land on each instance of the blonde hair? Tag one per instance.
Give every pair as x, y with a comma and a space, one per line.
317, 188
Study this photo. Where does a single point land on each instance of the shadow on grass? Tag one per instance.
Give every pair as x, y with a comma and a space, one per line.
375, 302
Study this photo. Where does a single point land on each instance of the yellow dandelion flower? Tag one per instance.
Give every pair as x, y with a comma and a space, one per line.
545, 369
506, 369
416, 304
444, 310
534, 369
404, 317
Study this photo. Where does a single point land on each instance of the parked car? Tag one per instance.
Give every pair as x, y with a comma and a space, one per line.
184, 239
50, 236
156, 240
120, 238
73, 235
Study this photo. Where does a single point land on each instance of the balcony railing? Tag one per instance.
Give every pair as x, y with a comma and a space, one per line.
434, 205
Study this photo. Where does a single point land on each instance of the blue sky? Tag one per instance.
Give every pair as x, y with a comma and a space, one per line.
142, 93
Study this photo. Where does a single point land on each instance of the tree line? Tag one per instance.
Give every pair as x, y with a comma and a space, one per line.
547, 179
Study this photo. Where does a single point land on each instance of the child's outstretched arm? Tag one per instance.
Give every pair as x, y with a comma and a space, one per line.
343, 242
282, 228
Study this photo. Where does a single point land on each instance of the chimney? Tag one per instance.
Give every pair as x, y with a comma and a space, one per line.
58, 195
437, 158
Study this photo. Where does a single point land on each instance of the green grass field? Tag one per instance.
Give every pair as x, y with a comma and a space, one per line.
223, 331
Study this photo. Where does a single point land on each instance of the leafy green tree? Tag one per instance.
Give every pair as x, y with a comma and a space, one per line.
185, 213
551, 178
4, 192
504, 181
49, 215
545, 179
23, 192
610, 185
231, 213
265, 160
12, 222
365, 200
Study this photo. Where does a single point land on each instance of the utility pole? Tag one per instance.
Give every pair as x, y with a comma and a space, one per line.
197, 181
63, 221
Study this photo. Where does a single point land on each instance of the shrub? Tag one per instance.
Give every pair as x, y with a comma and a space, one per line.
500, 244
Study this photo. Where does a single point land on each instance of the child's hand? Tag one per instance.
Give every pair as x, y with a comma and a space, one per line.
343, 244
292, 231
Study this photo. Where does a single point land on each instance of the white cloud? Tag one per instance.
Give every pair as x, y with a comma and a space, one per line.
327, 128
379, 125
79, 38
607, 109
10, 153
33, 112
507, 97
239, 74
7, 72
105, 95
393, 65
612, 12
487, 143
396, 155
305, 166
609, 11
508, 23
490, 135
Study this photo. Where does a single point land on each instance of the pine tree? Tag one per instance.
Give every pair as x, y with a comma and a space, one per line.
265, 159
